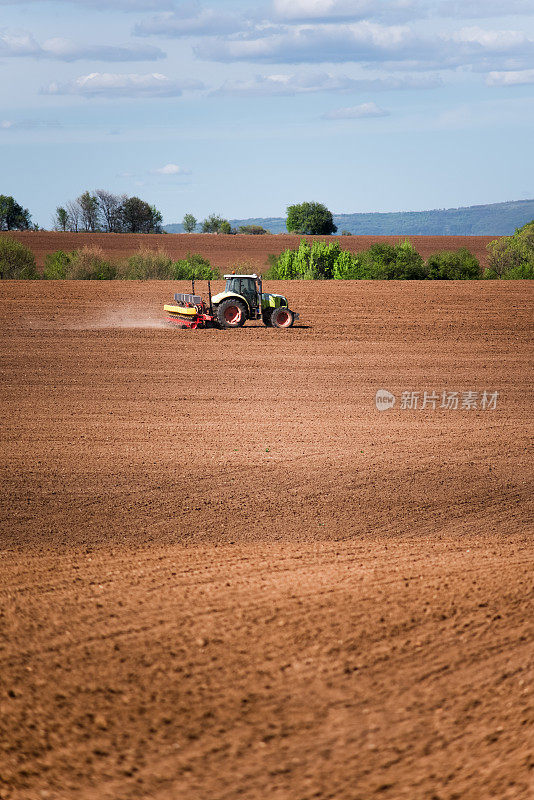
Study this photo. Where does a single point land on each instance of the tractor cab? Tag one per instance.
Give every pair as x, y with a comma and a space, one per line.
247, 286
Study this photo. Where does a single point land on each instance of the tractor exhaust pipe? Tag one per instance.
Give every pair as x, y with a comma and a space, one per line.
209, 295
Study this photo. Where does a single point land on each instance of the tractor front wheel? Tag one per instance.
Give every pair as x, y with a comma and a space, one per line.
282, 317
231, 313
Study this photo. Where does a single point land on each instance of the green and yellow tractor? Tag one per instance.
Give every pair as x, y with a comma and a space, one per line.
243, 298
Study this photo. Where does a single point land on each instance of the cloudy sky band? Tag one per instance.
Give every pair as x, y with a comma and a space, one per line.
348, 65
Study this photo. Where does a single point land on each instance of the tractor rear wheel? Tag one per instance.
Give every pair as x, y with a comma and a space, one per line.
231, 313
282, 317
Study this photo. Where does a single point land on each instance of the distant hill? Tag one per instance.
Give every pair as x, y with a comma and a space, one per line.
496, 219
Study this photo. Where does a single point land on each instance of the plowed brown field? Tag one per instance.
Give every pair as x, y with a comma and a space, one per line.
225, 574
230, 251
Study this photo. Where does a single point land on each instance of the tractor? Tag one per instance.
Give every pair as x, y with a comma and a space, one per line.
241, 299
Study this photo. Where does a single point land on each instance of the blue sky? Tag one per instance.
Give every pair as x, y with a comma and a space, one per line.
242, 108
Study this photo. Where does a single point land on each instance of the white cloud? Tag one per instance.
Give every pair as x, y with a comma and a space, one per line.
470, 9
18, 43
67, 50
309, 83
360, 42
172, 169
26, 124
397, 10
121, 5
319, 9
191, 20
369, 43
491, 40
110, 85
519, 78
357, 112
347, 10
24, 44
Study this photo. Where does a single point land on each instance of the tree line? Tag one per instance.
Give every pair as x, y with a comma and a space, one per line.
105, 211
108, 212
303, 218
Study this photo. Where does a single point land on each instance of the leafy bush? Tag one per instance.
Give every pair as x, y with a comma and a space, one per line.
255, 230
323, 258
353, 267
57, 265
272, 260
291, 264
315, 262
194, 266
89, 264
519, 272
394, 262
409, 265
147, 265
448, 265
380, 256
512, 255
16, 260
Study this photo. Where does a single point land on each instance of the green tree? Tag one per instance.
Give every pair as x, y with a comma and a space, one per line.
89, 211
212, 224
110, 210
61, 220
189, 222
310, 218
156, 220
74, 212
225, 227
12, 216
139, 217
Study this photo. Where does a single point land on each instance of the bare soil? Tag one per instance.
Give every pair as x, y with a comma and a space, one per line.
226, 251
225, 574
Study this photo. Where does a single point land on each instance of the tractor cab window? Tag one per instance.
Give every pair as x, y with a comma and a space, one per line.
243, 286
233, 285
240, 285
